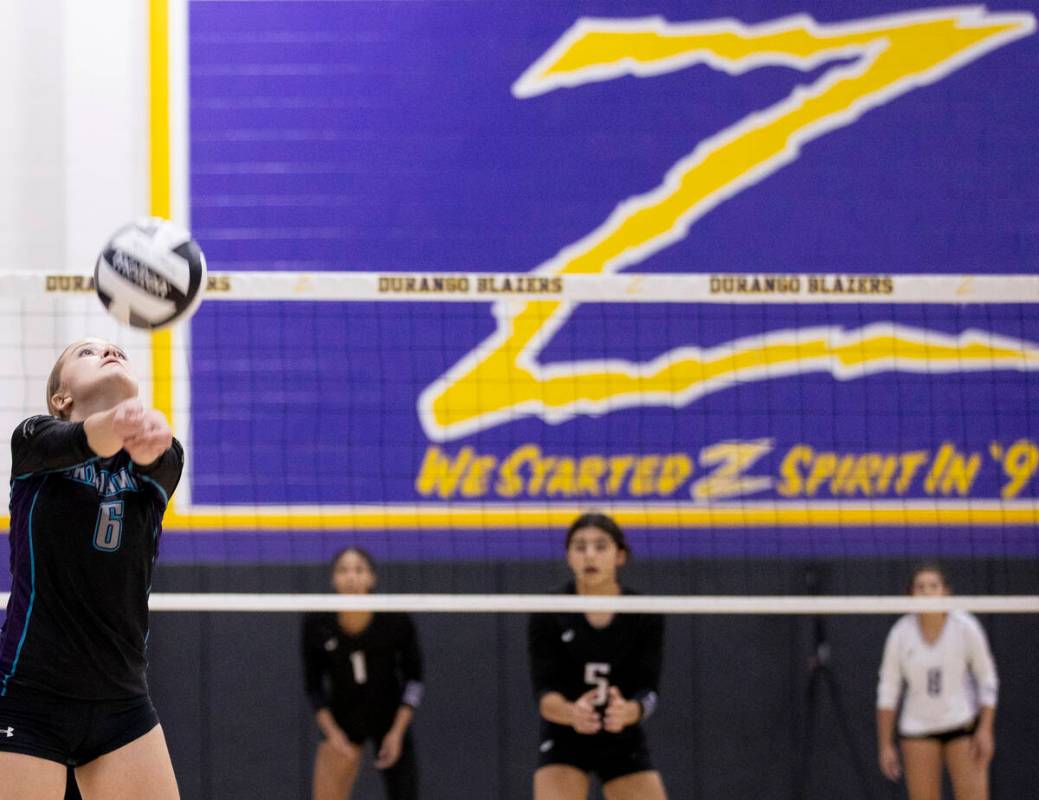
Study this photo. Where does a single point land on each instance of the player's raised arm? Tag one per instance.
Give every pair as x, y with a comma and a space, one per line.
43, 443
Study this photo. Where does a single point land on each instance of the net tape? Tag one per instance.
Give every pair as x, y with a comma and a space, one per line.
554, 603
738, 288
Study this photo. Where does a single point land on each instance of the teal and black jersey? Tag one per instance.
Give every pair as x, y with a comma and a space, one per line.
84, 538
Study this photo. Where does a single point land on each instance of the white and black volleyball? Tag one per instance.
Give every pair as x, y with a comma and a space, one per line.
151, 274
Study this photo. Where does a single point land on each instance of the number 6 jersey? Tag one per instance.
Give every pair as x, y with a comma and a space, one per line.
84, 538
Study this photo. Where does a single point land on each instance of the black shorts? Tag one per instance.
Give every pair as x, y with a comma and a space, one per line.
359, 729
944, 737
606, 755
71, 732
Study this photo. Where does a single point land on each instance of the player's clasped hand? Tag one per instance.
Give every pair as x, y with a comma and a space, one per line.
128, 418
145, 432
586, 718
151, 439
620, 713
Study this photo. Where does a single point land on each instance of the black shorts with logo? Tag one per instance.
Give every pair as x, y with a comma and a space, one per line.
71, 732
606, 755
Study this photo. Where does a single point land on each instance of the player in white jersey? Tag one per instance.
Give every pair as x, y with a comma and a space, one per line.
948, 711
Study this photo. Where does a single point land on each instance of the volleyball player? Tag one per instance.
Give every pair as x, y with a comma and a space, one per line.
363, 674
949, 709
89, 487
596, 677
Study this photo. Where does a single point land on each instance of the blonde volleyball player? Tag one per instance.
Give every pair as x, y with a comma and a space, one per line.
949, 708
89, 487
596, 678
363, 674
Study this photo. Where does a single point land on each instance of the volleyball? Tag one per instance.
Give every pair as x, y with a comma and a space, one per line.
150, 274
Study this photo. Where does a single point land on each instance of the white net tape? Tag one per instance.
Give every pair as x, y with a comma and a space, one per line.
467, 287
528, 603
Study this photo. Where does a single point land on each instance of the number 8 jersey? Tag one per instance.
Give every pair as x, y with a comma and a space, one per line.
946, 681
84, 538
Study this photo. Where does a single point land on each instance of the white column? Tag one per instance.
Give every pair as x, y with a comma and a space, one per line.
73, 167
105, 104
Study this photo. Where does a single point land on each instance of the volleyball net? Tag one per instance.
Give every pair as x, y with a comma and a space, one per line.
462, 420
780, 451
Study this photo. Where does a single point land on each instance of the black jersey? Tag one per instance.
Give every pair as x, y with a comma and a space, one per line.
84, 537
362, 679
569, 656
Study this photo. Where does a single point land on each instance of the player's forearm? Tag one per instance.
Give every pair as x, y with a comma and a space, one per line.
101, 434
403, 718
325, 721
646, 700
146, 455
556, 708
987, 718
885, 727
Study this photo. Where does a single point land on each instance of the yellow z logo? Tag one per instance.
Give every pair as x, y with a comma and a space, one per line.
874, 61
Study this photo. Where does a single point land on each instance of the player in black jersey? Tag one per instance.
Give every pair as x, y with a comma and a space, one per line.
89, 486
595, 676
363, 675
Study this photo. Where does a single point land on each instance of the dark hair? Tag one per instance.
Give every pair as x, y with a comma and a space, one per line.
928, 566
364, 554
594, 519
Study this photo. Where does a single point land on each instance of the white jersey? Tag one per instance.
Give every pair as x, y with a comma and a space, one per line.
946, 681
